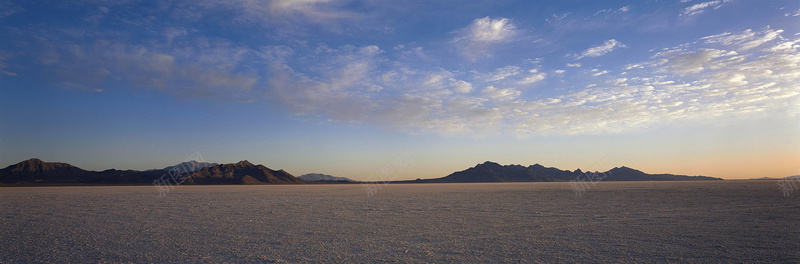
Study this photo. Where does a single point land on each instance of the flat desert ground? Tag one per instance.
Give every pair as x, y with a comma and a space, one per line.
709, 221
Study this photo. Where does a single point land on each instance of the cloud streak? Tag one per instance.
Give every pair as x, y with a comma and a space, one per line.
699, 8
600, 50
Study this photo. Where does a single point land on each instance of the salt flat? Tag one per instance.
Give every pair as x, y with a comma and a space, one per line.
714, 221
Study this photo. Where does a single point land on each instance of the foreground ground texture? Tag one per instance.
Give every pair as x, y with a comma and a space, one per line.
715, 221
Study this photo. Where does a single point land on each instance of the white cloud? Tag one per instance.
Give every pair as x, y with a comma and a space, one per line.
696, 82
745, 40
620, 10
786, 46
534, 76
602, 11
461, 86
499, 73
602, 49
490, 30
698, 60
699, 8
557, 18
501, 94
598, 72
476, 39
502, 73
318, 11
733, 74
282, 16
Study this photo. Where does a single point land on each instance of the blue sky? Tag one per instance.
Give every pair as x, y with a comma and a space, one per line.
345, 87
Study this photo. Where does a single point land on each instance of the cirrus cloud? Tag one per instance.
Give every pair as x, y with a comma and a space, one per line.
699, 8
699, 80
738, 74
600, 50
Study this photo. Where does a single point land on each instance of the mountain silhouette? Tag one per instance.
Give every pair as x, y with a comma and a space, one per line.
190, 166
319, 177
35, 171
628, 174
494, 172
242, 172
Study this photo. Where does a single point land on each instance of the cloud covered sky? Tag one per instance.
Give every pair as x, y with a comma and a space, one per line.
106, 84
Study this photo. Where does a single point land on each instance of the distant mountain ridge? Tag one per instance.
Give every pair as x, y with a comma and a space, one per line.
242, 172
795, 177
190, 166
494, 172
36, 171
315, 177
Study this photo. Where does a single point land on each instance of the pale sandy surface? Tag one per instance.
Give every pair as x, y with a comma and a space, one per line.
731, 221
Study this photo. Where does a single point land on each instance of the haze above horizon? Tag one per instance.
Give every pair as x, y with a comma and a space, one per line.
345, 87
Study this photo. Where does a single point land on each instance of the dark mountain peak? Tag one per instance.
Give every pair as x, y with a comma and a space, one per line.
37, 165
489, 163
244, 163
629, 174
312, 177
190, 166
493, 172
36, 170
625, 169
33, 161
194, 162
30, 164
490, 172
242, 172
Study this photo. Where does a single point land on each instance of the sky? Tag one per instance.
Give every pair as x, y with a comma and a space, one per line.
426, 88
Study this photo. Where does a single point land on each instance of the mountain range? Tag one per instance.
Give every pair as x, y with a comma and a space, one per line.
37, 172
190, 166
319, 177
795, 177
242, 172
494, 172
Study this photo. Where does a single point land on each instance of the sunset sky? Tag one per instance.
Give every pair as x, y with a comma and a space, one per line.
345, 87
